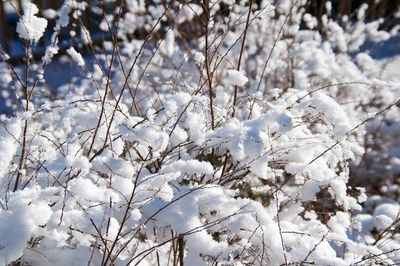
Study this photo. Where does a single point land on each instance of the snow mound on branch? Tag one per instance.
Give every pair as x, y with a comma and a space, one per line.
236, 78
31, 27
26, 213
77, 57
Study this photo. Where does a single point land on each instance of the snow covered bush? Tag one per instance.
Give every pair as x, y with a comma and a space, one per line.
236, 147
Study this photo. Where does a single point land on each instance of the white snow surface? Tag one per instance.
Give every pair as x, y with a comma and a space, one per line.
146, 168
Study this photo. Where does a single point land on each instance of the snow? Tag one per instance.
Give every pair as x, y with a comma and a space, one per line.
386, 214
236, 78
190, 167
334, 113
136, 214
305, 170
189, 11
26, 212
31, 27
77, 57
8, 144
198, 57
50, 13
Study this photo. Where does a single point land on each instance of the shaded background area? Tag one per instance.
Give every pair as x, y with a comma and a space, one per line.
10, 10
385, 9
388, 10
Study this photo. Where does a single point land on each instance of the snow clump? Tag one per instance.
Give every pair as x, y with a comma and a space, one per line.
30, 27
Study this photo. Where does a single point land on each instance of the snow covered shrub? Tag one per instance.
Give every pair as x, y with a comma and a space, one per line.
231, 148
